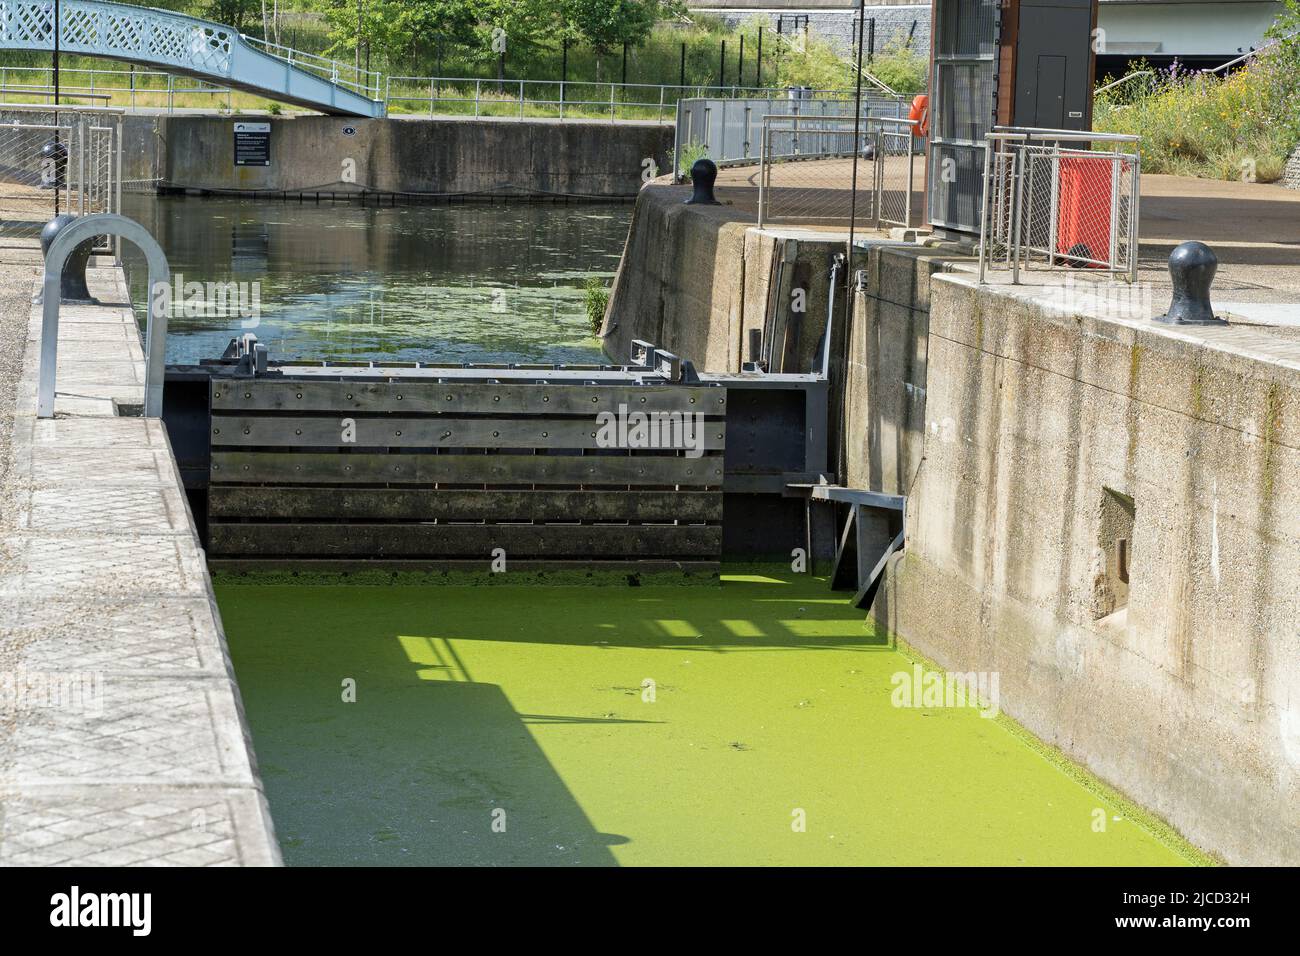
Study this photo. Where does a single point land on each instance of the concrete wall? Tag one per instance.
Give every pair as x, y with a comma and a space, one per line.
418, 156
696, 279
1015, 430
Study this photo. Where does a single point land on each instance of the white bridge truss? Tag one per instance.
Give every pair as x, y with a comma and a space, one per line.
193, 47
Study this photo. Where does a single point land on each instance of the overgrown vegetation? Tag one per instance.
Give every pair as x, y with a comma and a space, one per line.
1239, 126
596, 296
687, 157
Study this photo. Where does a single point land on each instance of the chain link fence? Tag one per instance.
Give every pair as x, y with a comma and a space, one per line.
1049, 201
53, 162
825, 172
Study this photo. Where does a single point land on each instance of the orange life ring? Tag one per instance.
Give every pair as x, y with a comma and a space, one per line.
920, 113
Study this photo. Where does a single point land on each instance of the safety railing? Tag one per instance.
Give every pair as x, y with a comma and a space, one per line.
727, 130
52, 162
810, 168
556, 99
808, 171
1050, 201
369, 83
133, 89
895, 161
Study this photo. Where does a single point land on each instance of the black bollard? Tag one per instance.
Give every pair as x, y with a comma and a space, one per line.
1192, 266
72, 284
703, 175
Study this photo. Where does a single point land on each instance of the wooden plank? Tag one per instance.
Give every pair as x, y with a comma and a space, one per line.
273, 431
421, 504
463, 541
327, 467
421, 398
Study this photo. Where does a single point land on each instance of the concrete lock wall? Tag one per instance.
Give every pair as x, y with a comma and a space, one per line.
1106, 512
696, 279
1040, 451
589, 159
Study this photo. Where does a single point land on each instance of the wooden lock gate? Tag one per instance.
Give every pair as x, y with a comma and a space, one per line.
313, 470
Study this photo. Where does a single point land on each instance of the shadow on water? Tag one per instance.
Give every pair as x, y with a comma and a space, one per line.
424, 767
431, 755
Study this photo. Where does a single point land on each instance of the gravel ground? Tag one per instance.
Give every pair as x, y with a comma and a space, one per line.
18, 276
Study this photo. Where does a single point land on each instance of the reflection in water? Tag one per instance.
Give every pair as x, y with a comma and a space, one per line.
464, 283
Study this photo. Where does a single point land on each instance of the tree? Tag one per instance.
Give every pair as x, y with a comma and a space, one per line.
395, 30
235, 13
606, 24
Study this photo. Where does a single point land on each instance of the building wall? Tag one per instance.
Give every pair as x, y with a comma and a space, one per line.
1132, 27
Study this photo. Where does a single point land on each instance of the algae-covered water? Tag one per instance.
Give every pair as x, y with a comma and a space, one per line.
470, 282
746, 723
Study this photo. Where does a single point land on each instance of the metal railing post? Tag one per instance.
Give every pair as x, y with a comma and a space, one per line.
984, 208
1112, 253
1017, 180
1135, 197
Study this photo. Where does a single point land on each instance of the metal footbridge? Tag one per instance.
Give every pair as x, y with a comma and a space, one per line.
192, 47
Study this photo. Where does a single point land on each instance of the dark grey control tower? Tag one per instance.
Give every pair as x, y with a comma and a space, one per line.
1000, 63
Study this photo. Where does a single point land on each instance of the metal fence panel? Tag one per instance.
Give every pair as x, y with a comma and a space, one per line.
51, 163
1049, 202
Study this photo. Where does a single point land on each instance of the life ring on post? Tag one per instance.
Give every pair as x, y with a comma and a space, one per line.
920, 113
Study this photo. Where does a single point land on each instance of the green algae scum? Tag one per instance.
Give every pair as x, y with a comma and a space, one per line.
749, 723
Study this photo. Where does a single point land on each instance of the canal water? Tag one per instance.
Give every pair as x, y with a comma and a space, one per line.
472, 282
752, 722
749, 722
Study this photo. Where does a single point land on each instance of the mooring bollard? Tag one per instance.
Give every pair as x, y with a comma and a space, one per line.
1192, 266
703, 175
72, 283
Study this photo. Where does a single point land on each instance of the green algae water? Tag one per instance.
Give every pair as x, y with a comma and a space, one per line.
471, 282
748, 723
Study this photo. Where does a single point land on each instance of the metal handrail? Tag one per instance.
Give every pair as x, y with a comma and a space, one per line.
1047, 133
1132, 76
1246, 56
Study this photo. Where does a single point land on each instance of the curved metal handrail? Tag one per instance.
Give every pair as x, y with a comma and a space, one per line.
155, 348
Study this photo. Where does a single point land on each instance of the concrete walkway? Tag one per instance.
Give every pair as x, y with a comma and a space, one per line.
122, 737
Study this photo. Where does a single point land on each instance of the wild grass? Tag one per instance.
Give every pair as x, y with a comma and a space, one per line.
1240, 126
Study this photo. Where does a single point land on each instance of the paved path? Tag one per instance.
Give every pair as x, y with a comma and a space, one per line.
122, 738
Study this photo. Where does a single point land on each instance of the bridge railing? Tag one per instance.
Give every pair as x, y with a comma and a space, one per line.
368, 83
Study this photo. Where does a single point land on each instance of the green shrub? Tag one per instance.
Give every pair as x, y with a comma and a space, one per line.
687, 158
1239, 126
596, 294
902, 69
